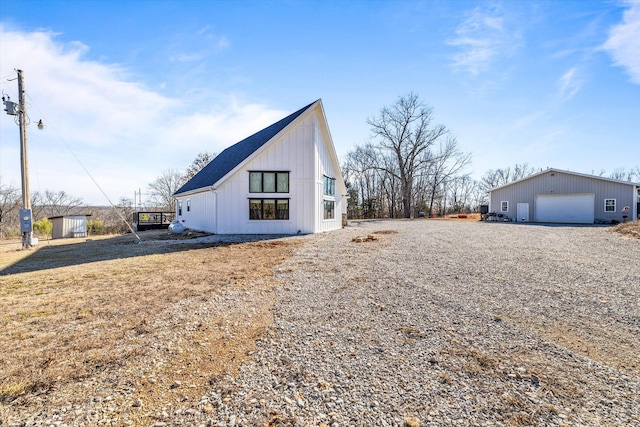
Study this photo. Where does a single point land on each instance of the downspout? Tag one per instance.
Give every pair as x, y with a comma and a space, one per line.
215, 209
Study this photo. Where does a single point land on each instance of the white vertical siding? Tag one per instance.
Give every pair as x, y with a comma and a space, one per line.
202, 213
292, 152
326, 166
302, 151
69, 226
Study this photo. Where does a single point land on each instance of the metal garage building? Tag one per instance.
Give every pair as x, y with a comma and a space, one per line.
557, 196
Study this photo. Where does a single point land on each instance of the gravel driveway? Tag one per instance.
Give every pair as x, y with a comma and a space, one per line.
445, 323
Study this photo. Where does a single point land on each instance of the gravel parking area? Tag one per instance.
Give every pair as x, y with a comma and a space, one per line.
445, 323
389, 323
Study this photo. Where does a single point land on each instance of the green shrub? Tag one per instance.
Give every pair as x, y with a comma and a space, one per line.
43, 227
95, 226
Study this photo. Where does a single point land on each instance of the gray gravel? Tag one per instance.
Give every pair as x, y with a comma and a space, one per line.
435, 323
445, 323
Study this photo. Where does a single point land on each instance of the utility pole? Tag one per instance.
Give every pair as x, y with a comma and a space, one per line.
26, 218
20, 110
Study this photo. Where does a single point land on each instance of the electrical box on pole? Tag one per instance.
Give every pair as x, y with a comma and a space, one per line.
26, 221
11, 107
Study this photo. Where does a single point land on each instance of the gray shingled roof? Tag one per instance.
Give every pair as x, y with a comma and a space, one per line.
224, 162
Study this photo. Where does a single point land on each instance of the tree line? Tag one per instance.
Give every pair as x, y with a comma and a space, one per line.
410, 166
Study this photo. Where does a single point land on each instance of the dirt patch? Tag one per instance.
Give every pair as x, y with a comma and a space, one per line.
631, 229
363, 239
385, 232
108, 312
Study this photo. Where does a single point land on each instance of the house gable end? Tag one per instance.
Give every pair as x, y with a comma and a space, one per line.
232, 157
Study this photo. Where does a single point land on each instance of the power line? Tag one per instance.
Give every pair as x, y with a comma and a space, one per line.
83, 167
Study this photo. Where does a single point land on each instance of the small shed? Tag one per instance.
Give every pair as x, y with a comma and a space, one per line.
69, 226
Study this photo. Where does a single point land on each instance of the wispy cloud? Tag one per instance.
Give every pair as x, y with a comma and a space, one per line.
623, 43
569, 84
482, 37
205, 41
125, 133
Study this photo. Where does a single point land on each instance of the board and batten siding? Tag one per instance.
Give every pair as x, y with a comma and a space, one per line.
305, 151
558, 183
326, 167
199, 211
292, 152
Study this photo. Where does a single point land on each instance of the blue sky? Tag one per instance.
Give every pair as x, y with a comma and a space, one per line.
133, 88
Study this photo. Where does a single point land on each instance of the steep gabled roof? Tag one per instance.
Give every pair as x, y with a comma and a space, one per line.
231, 157
566, 172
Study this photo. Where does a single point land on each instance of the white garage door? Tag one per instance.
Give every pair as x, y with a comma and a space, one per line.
568, 208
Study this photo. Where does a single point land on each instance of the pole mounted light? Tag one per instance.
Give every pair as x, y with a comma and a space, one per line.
19, 110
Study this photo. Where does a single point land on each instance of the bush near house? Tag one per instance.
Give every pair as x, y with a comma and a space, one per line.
43, 228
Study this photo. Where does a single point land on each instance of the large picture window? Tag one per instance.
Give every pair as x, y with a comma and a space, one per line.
268, 182
329, 186
268, 208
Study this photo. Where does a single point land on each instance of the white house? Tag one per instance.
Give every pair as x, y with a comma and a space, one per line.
555, 195
284, 179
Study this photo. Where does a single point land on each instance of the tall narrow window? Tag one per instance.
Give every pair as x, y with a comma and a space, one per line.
329, 207
329, 186
283, 183
282, 209
269, 182
179, 207
255, 182
188, 205
255, 209
504, 206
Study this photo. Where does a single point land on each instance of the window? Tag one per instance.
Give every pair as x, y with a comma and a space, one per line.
609, 205
179, 207
268, 208
329, 209
329, 186
188, 205
268, 182
504, 206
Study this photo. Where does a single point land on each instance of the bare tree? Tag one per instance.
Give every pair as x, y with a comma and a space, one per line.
622, 174
161, 190
406, 129
445, 164
495, 178
201, 160
362, 173
53, 203
9, 204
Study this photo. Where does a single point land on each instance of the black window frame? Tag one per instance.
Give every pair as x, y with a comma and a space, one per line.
276, 181
331, 210
261, 215
329, 186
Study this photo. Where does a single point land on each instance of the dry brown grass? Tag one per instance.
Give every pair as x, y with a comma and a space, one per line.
76, 309
631, 229
472, 217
